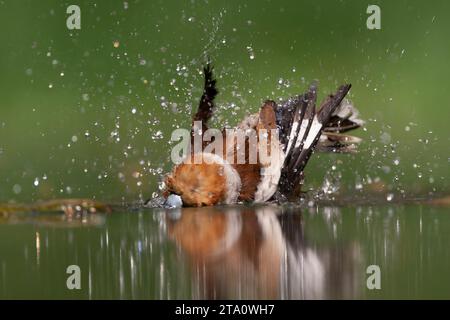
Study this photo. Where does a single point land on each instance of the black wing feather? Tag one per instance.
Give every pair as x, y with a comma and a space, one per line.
206, 105
297, 157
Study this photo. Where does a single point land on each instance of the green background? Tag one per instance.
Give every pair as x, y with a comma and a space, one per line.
59, 85
67, 129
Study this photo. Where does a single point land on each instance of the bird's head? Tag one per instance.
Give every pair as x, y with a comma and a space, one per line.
211, 182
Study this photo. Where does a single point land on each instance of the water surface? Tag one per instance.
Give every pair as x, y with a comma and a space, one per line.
280, 252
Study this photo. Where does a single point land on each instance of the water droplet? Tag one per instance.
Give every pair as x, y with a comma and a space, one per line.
386, 169
17, 189
36, 182
331, 183
358, 183
158, 135
251, 53
389, 196
136, 174
385, 138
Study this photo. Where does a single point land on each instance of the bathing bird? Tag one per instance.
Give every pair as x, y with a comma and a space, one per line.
266, 157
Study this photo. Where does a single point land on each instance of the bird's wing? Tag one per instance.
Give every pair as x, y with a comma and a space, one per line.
344, 118
334, 136
306, 128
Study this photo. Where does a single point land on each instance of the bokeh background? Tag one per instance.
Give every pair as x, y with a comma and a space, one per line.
89, 113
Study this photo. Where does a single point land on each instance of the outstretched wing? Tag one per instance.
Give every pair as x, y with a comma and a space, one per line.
334, 136
344, 118
305, 130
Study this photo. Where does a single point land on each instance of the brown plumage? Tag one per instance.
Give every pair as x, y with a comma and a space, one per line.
198, 184
298, 127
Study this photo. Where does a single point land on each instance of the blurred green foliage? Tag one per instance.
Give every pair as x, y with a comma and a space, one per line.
67, 125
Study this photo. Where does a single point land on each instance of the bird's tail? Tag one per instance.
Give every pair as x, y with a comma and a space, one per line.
206, 106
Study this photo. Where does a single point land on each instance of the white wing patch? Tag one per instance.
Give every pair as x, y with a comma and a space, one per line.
316, 126
270, 175
292, 136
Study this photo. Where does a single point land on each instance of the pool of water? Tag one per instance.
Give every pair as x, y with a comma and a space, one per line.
281, 252
90, 113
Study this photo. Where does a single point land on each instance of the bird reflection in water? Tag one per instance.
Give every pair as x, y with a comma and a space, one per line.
261, 253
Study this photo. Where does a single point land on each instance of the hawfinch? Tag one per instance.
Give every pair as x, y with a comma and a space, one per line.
288, 132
